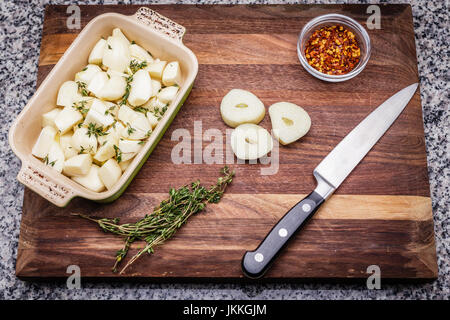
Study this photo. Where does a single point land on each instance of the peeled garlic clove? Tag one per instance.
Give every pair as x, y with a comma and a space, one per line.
114, 88
105, 152
112, 108
65, 142
78, 165
82, 141
289, 122
55, 157
44, 142
48, 118
172, 74
96, 55
127, 156
117, 54
152, 119
127, 146
140, 122
124, 164
241, 106
87, 73
110, 173
140, 53
156, 86
67, 118
156, 68
112, 72
141, 88
119, 35
250, 141
67, 94
126, 114
91, 180
167, 94
97, 82
154, 103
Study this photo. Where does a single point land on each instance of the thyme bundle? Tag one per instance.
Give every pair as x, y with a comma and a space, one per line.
166, 219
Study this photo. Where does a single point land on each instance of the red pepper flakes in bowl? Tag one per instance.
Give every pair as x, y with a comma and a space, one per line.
333, 50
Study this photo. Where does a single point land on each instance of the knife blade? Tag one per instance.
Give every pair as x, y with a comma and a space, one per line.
329, 174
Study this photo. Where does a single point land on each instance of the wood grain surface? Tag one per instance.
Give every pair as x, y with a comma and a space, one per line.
380, 215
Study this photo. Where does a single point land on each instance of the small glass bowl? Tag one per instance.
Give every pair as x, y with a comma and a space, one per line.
328, 20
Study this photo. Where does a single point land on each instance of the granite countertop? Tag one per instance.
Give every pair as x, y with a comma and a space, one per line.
20, 35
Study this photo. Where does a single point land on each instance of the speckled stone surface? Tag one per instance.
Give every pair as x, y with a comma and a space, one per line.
20, 35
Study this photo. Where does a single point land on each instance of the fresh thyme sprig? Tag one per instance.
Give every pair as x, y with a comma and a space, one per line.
135, 66
118, 154
46, 161
166, 219
96, 131
130, 129
127, 91
81, 106
141, 110
160, 112
82, 88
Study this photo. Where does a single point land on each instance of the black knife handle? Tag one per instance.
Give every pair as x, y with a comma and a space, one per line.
255, 263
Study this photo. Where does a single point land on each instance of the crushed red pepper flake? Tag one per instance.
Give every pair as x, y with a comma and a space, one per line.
333, 50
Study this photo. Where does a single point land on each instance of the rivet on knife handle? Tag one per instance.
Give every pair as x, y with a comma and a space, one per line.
255, 263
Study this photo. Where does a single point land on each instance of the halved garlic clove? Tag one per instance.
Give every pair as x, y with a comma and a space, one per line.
127, 156
110, 173
154, 103
241, 106
141, 88
55, 157
96, 55
78, 165
67, 118
117, 54
106, 151
44, 142
48, 118
250, 141
289, 122
97, 82
91, 180
65, 141
124, 164
127, 146
140, 53
82, 141
167, 94
172, 74
156, 86
114, 88
67, 94
119, 35
98, 115
156, 68
152, 119
87, 73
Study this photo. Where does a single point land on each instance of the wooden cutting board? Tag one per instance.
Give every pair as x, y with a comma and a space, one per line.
381, 215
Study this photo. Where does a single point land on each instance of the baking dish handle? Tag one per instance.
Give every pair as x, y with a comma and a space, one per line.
160, 23
45, 186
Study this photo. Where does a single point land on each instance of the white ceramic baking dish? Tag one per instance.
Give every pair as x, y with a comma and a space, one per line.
162, 37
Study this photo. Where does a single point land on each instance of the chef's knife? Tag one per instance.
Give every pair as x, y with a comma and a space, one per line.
330, 173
